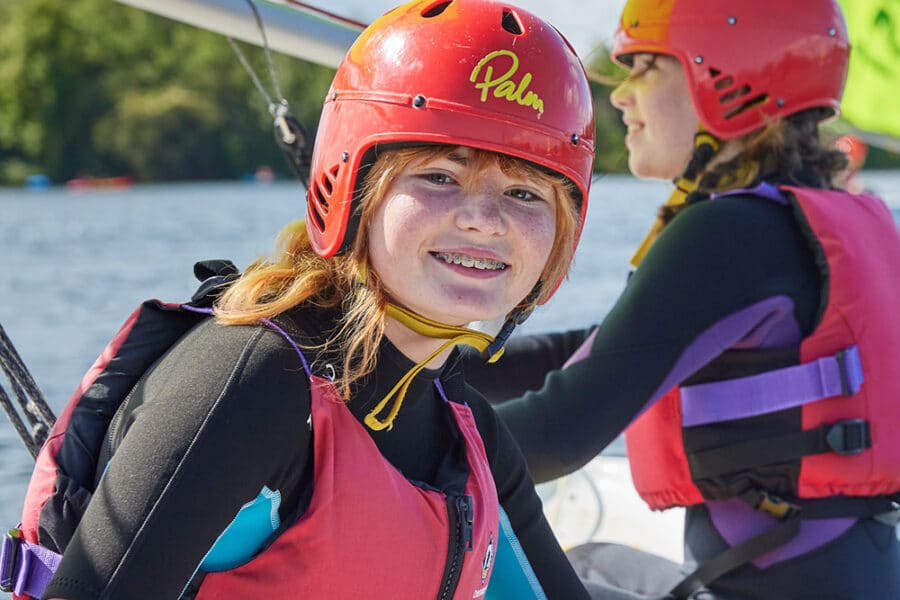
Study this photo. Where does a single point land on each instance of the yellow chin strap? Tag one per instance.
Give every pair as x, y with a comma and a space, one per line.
433, 329
684, 185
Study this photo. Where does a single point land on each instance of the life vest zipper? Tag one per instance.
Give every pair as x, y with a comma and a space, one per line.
459, 509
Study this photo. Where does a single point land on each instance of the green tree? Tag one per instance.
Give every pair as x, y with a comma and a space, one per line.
48, 91
98, 88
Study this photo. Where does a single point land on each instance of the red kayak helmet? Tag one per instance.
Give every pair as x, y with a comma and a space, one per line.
747, 61
473, 73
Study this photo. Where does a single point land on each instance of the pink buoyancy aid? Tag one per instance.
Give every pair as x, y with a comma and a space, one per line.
368, 531
845, 383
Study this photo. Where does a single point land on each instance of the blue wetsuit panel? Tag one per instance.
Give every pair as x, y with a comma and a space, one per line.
513, 576
242, 539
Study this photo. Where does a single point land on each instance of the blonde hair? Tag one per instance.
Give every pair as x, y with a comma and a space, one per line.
297, 274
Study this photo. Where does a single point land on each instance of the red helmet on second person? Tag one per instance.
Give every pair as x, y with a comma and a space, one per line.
473, 73
747, 61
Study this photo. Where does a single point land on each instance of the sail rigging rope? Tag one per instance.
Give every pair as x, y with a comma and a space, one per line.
273, 75
290, 134
32, 407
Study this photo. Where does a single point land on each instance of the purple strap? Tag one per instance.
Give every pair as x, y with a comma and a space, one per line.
270, 323
763, 190
291, 342
772, 391
25, 568
196, 309
443, 394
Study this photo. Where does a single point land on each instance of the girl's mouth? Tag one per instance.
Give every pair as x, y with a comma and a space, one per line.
484, 264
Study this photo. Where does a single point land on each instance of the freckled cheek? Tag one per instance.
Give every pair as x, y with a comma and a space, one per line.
401, 219
537, 238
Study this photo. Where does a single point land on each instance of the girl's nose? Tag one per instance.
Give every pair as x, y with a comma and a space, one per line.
481, 210
621, 95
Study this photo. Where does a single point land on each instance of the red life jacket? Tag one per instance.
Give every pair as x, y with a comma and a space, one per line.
65, 469
370, 533
367, 533
846, 444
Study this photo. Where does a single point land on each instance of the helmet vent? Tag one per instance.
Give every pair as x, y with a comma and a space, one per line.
315, 215
734, 99
329, 180
511, 22
323, 189
723, 83
747, 105
321, 198
734, 94
436, 9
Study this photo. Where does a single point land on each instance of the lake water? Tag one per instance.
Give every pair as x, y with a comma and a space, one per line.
74, 265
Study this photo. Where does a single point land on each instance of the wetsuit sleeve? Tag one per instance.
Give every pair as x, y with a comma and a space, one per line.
719, 271
523, 506
224, 414
525, 362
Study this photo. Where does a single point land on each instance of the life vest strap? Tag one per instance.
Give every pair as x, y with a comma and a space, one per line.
877, 508
790, 387
848, 437
736, 556
25, 568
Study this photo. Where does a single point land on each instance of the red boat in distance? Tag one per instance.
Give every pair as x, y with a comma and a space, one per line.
100, 183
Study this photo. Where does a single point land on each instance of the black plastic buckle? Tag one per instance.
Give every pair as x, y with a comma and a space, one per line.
9, 556
848, 437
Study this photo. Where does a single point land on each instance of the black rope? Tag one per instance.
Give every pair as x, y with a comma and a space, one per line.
32, 407
16, 421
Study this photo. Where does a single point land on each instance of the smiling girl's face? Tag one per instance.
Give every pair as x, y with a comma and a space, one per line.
456, 242
657, 108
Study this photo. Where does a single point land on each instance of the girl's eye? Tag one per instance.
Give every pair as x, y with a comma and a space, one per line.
642, 64
437, 178
525, 195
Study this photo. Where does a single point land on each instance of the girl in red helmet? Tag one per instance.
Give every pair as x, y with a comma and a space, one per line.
316, 438
750, 359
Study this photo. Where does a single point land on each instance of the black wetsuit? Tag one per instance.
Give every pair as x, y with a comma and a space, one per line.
737, 267
224, 413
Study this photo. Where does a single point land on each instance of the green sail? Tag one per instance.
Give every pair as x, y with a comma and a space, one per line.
872, 92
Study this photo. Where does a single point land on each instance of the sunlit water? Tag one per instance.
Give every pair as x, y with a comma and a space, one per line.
74, 265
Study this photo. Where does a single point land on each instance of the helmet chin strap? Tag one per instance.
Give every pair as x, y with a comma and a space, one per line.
487, 344
706, 146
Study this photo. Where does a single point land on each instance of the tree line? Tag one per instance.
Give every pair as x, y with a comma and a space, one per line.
96, 88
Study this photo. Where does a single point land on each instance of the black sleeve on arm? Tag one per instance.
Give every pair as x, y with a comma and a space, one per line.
525, 362
225, 413
523, 507
715, 259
